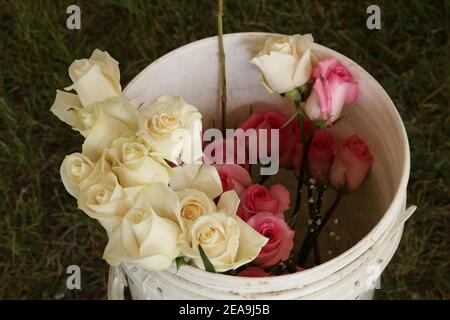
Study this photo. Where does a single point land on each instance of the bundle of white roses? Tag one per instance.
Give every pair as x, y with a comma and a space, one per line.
128, 176
142, 174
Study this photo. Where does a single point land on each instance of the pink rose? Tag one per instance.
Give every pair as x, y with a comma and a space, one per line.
258, 198
281, 238
233, 177
351, 164
253, 272
274, 119
321, 154
333, 89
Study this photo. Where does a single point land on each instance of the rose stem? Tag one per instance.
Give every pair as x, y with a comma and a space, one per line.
311, 236
320, 190
222, 70
305, 145
300, 183
263, 179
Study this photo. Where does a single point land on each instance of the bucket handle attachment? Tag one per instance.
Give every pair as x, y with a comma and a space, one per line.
403, 217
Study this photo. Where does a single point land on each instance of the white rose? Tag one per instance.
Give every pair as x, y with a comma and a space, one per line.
104, 122
285, 62
95, 79
134, 164
203, 177
75, 168
147, 235
172, 128
105, 201
101, 169
227, 241
193, 204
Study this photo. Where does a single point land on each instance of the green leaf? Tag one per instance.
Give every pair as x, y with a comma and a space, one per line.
180, 261
208, 265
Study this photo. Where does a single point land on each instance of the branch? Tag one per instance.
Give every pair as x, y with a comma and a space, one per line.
222, 70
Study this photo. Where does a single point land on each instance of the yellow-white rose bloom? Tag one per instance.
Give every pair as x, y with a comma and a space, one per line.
285, 62
149, 231
202, 177
75, 168
134, 163
95, 79
101, 169
227, 240
100, 123
172, 127
194, 203
106, 200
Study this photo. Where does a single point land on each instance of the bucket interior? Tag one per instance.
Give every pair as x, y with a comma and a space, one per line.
192, 73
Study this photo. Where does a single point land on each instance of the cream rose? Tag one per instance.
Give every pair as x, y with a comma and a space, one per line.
101, 169
95, 79
134, 164
106, 121
99, 123
75, 168
203, 177
172, 128
227, 240
193, 204
148, 234
285, 62
105, 201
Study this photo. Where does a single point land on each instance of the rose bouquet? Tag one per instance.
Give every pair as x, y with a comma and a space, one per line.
163, 197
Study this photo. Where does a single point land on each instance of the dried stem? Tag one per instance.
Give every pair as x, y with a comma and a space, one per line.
311, 236
222, 70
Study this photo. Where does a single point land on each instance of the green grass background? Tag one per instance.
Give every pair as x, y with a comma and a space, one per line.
42, 232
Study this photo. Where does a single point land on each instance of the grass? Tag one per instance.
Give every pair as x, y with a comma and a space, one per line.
42, 232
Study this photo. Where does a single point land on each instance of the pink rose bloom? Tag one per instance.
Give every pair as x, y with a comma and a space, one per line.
253, 272
258, 198
333, 89
321, 154
274, 119
281, 238
225, 151
233, 177
351, 164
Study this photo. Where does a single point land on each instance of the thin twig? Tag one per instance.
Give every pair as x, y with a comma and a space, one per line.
222, 70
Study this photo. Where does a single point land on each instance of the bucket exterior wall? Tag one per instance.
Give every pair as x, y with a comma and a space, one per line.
192, 72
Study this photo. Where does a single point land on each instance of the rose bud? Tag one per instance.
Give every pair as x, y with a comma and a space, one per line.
285, 62
334, 88
321, 154
351, 164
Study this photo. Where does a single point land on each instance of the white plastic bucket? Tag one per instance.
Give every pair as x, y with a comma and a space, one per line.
372, 219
